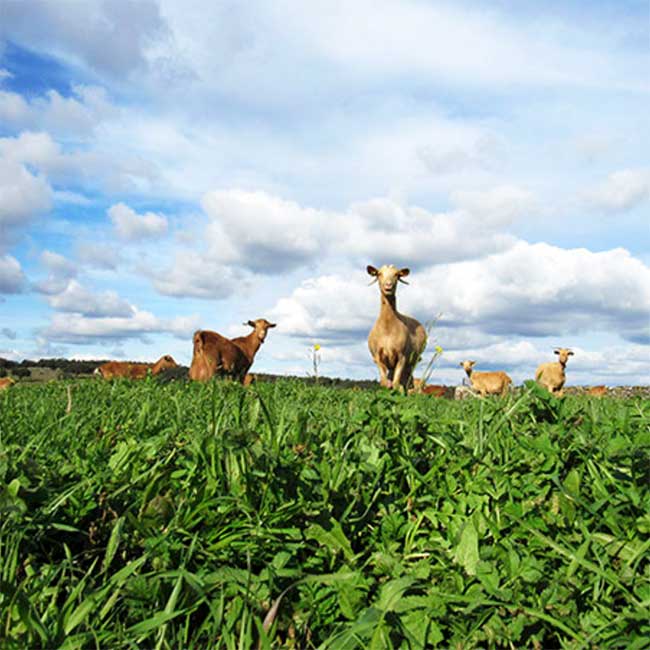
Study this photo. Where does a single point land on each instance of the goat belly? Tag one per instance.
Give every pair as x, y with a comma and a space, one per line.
388, 358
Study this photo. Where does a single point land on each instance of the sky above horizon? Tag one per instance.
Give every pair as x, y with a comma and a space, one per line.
167, 166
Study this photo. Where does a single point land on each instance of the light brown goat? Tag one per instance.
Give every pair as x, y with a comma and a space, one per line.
396, 341
113, 369
215, 354
487, 383
552, 375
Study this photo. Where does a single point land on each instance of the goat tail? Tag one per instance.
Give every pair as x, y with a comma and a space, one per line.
197, 340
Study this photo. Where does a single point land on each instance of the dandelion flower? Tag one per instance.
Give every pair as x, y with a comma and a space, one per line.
316, 347
438, 349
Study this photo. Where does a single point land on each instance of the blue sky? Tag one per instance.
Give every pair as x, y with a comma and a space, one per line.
169, 166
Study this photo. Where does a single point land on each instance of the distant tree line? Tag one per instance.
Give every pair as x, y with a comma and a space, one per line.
72, 368
68, 367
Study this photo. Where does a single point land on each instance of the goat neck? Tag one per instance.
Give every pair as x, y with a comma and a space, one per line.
249, 345
388, 306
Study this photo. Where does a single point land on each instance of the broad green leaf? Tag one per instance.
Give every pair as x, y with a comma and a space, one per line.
466, 552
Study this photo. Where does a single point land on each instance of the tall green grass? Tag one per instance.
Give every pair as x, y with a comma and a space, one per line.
195, 516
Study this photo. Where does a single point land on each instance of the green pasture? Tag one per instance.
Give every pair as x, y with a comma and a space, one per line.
142, 515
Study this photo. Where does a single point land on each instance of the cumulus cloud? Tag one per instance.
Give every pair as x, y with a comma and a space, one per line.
261, 232
23, 196
269, 235
94, 167
78, 114
114, 38
99, 256
60, 271
12, 278
71, 327
196, 274
76, 298
499, 206
529, 290
622, 190
131, 226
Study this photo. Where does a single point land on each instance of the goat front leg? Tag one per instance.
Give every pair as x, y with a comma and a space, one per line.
398, 373
383, 373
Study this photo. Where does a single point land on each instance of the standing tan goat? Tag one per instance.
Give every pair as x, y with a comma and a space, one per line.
396, 341
552, 375
487, 383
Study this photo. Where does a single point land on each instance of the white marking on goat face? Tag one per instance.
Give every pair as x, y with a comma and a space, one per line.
564, 354
261, 327
388, 277
467, 365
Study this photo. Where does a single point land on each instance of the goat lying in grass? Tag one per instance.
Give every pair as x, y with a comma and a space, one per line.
113, 369
487, 383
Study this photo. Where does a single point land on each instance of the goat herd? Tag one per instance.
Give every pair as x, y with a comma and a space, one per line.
396, 343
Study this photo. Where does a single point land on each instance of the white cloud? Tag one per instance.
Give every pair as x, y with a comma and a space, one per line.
195, 273
23, 196
622, 190
77, 328
100, 256
261, 232
78, 114
269, 235
58, 264
76, 298
528, 290
131, 226
60, 271
12, 278
112, 171
499, 206
111, 37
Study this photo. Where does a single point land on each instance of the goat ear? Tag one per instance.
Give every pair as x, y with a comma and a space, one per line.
556, 352
403, 272
272, 325
461, 364
371, 270
569, 353
251, 323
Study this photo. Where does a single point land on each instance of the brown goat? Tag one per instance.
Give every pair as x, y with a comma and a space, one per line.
113, 369
215, 354
396, 341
